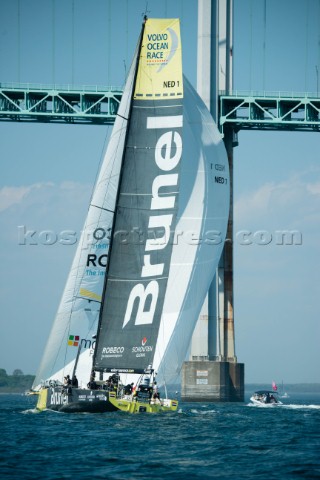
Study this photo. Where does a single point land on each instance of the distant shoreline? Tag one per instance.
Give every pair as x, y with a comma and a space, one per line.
289, 387
249, 387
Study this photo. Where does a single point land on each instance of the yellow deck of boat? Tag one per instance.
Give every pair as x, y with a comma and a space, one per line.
132, 405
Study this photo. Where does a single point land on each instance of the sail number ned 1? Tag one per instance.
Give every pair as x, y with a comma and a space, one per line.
171, 84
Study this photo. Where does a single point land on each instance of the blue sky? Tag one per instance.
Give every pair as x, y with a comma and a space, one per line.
47, 171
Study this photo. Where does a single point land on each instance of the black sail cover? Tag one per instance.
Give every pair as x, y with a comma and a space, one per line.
146, 211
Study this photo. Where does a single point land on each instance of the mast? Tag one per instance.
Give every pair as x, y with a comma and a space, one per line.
135, 63
147, 202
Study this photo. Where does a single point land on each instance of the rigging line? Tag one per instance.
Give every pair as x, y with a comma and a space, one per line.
118, 145
53, 367
93, 321
102, 154
80, 276
115, 154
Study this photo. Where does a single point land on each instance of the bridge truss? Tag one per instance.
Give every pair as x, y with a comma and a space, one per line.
99, 105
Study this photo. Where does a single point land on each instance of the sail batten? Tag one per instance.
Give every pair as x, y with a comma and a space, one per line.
102, 208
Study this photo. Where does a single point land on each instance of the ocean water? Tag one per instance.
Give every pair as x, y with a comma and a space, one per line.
200, 441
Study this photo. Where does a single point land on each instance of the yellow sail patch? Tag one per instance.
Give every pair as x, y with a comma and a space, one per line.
160, 65
88, 294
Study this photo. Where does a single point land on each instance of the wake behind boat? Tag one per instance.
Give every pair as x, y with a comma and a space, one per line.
265, 397
150, 246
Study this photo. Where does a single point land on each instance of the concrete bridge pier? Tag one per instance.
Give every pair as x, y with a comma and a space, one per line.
213, 373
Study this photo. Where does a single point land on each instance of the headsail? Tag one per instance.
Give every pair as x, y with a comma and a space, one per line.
170, 220
76, 321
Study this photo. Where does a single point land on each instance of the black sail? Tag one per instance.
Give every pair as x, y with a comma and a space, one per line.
142, 239
147, 205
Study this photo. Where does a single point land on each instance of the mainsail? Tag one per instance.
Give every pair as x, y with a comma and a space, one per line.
170, 217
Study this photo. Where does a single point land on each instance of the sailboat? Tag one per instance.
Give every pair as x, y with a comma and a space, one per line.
283, 393
153, 237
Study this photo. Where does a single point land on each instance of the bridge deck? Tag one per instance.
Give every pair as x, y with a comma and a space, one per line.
52, 103
278, 111
99, 105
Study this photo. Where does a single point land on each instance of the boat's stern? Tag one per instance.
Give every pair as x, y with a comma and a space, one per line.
135, 406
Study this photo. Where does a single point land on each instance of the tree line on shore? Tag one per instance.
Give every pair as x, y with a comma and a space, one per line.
18, 382
15, 383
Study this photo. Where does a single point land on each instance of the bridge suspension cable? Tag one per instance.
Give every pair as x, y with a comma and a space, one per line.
306, 47
72, 42
264, 44
19, 41
53, 12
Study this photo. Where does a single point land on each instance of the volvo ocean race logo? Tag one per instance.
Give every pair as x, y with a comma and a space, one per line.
168, 151
159, 49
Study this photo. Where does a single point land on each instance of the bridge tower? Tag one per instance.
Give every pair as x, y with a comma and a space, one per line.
213, 373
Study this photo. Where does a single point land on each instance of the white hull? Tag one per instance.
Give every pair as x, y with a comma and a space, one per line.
258, 402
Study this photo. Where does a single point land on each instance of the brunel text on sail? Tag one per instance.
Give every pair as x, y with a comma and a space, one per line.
168, 151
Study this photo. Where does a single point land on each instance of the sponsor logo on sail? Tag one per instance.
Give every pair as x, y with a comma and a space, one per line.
141, 350
143, 297
144, 341
73, 340
113, 350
